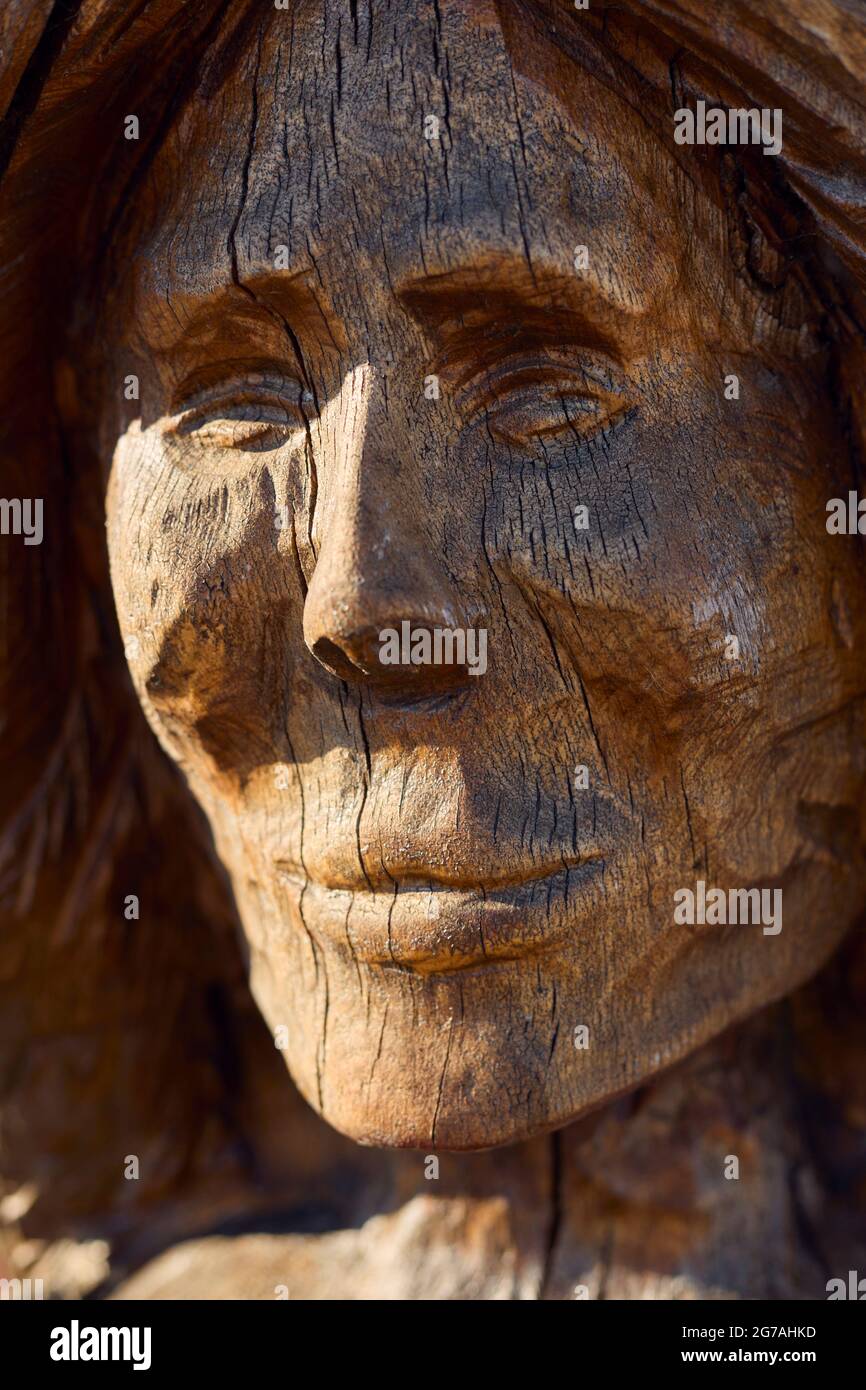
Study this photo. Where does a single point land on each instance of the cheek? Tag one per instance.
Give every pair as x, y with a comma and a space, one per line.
209, 599
680, 567
692, 522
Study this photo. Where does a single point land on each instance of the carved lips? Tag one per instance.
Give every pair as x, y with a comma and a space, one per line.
440, 927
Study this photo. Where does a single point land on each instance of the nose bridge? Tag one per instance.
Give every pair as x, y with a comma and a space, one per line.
375, 565
364, 511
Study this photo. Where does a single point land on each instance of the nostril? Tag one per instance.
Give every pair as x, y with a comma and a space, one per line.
410, 658
334, 659
360, 660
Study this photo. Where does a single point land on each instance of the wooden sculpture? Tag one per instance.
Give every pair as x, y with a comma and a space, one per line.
463, 424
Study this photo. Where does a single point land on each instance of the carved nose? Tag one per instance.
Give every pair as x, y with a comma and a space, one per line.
386, 616
379, 594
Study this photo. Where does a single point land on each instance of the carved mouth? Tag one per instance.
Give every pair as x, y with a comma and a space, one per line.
438, 923
431, 878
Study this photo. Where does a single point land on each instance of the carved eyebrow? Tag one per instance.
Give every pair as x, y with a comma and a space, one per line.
284, 300
504, 291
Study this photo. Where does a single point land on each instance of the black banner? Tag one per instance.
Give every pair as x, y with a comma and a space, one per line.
160, 1339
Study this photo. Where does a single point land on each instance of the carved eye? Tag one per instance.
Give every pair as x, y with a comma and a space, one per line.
256, 414
533, 397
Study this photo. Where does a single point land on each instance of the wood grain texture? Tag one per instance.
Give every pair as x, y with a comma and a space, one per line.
284, 236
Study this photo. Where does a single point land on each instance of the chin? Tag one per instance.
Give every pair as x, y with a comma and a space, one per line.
494, 1050
467, 1059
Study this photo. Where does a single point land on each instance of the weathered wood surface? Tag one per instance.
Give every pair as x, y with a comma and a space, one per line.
304, 129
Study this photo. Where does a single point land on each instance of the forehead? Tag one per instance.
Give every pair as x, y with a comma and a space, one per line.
405, 145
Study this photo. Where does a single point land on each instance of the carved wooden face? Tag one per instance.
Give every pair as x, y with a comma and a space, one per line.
379, 387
